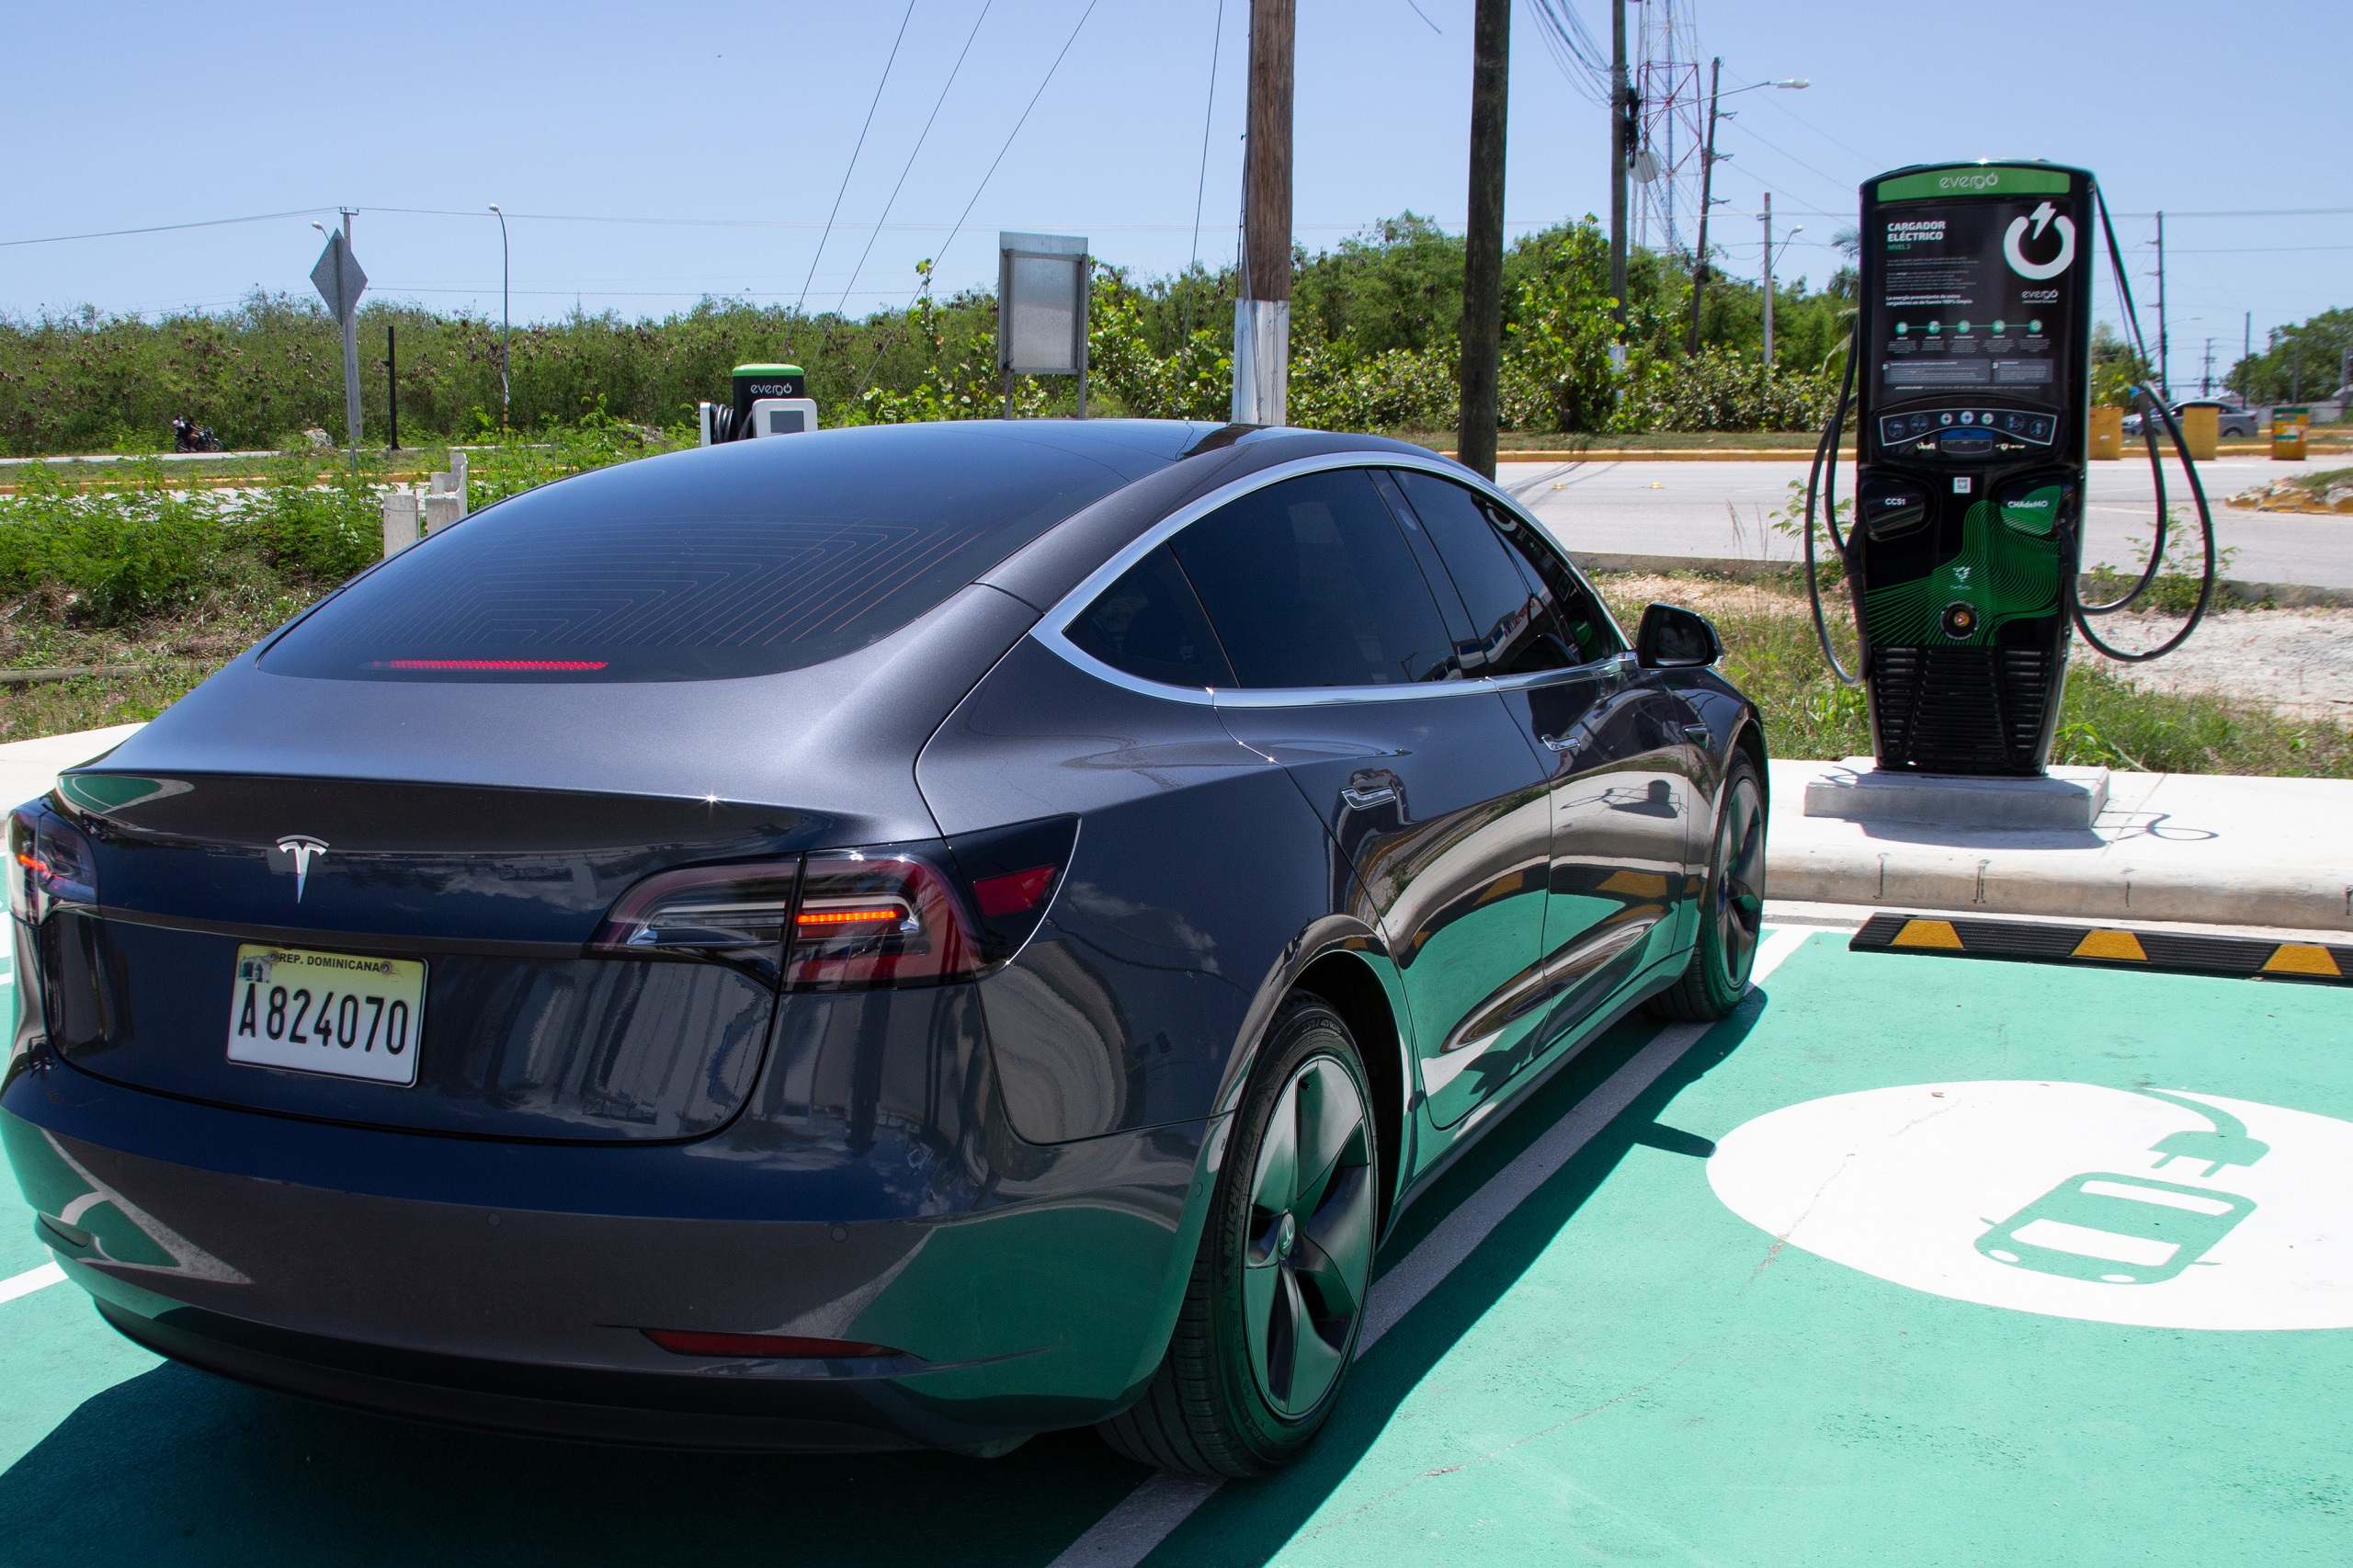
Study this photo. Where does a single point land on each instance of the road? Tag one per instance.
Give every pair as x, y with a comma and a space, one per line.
1723, 510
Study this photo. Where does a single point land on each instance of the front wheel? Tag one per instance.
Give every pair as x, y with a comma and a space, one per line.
1270, 1317
1732, 907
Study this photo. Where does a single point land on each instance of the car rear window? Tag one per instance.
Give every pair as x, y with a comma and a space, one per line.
744, 560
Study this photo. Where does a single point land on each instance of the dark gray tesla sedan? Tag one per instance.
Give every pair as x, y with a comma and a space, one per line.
909, 936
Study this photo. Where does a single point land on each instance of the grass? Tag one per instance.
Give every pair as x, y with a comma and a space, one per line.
2103, 720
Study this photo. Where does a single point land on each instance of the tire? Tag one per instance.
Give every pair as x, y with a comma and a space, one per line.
1732, 907
1271, 1312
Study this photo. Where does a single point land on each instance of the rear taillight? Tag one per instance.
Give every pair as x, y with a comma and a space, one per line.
876, 917
49, 863
735, 914
853, 919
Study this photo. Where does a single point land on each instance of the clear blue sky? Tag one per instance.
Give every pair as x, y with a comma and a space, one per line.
743, 116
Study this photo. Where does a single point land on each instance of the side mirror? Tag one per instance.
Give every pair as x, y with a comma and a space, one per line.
1673, 638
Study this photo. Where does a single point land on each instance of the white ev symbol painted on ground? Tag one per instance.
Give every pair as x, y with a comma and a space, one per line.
2041, 217
2160, 1208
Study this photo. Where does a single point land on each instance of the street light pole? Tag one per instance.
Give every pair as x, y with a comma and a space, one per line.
505, 317
1793, 233
1709, 159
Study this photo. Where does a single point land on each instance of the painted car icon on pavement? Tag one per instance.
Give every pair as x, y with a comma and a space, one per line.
2119, 1230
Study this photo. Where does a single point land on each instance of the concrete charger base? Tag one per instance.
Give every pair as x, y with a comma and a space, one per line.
1856, 790
2206, 848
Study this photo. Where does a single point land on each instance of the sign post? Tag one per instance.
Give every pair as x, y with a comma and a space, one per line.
340, 282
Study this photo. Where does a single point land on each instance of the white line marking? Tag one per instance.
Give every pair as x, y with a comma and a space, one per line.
31, 1279
1782, 941
1145, 1518
1149, 1514
1457, 1236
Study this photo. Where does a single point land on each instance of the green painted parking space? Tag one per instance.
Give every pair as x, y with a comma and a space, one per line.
1632, 1371
1758, 1319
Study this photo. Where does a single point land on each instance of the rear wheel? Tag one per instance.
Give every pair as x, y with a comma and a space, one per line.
1271, 1312
1732, 907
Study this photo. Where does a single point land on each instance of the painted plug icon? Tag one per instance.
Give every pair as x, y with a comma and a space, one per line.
2225, 1143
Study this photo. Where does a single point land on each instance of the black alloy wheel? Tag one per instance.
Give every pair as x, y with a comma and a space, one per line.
1732, 907
1269, 1323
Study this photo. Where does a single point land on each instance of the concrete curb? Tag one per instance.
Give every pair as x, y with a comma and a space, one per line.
2207, 849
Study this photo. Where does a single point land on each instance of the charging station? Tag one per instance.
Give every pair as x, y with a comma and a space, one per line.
770, 400
1970, 382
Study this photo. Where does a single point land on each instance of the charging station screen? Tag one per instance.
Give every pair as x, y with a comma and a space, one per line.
1974, 299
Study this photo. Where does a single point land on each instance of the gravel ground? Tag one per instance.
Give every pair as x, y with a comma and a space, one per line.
2298, 663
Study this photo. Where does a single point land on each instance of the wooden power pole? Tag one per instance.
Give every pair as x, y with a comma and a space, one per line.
1483, 262
1707, 201
1262, 315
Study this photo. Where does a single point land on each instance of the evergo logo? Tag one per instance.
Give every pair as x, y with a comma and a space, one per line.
1970, 182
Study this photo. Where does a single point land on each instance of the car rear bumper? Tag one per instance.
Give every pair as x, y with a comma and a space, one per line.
510, 1287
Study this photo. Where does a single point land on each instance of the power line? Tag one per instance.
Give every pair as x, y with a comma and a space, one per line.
1200, 188
1018, 124
937, 104
169, 228
854, 152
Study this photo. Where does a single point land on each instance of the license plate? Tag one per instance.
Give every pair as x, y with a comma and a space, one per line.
337, 1013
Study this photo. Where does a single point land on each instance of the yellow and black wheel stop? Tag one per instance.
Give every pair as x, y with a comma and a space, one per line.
2108, 947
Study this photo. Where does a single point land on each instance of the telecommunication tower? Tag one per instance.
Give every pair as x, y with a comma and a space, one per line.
1667, 161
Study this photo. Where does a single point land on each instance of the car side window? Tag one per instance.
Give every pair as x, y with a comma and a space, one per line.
1513, 629
1575, 606
1309, 583
1150, 624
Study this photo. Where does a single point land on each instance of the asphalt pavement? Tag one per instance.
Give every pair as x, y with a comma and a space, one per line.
1724, 510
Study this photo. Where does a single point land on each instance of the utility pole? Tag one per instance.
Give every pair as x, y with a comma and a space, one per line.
1262, 315
1707, 178
1621, 151
1483, 262
1767, 216
2206, 382
2164, 344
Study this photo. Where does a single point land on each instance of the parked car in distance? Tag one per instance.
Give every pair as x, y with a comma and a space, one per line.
906, 936
2230, 421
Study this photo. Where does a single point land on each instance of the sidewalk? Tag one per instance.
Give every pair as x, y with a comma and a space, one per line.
30, 767
2209, 849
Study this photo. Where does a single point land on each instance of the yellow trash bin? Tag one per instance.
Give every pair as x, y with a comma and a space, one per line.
2288, 427
2202, 426
2107, 433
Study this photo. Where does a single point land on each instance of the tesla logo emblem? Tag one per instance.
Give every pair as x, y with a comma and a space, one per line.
2043, 217
302, 848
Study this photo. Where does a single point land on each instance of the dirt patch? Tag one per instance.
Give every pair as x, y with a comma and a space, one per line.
2295, 661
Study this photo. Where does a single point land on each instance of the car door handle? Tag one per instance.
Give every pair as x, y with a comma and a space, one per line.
1558, 743
1365, 800
1698, 735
